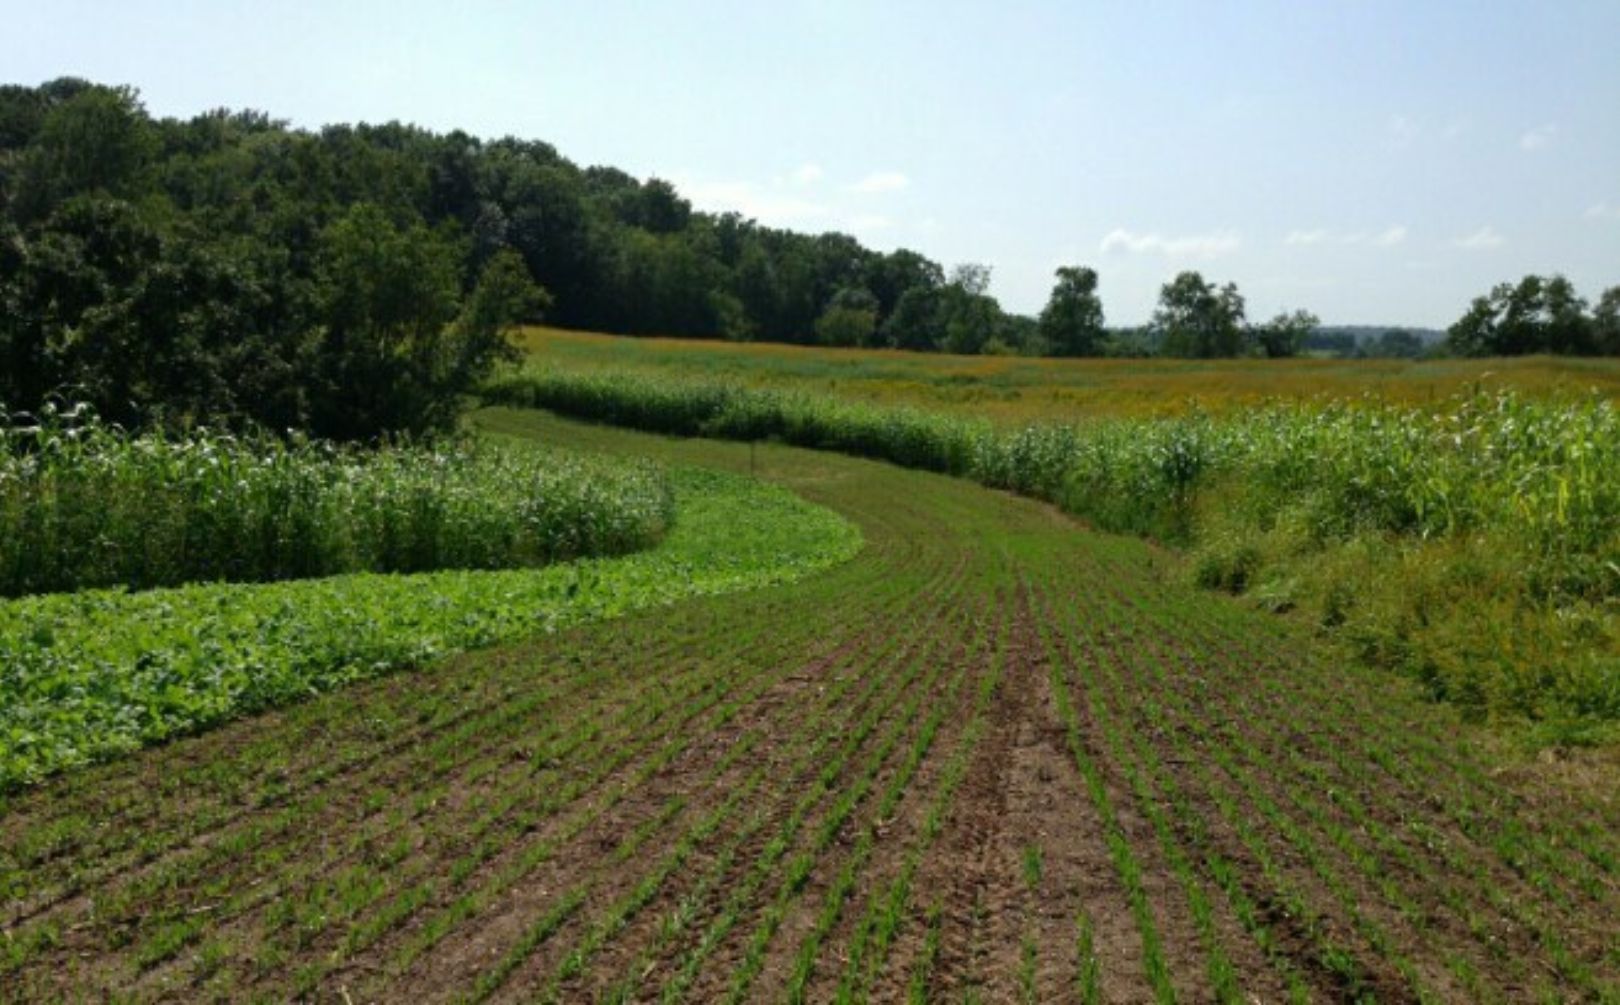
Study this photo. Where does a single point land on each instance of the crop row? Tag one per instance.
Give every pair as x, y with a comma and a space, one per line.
84, 504
1451, 543
1264, 768
991, 758
97, 673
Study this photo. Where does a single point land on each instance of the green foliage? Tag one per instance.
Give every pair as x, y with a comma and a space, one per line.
1197, 319
1285, 335
88, 675
1536, 315
1606, 323
1284, 495
850, 318
916, 319
397, 349
1397, 344
914, 439
1072, 323
968, 314
97, 141
83, 504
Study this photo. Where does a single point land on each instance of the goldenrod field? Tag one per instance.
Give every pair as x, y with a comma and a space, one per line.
1017, 390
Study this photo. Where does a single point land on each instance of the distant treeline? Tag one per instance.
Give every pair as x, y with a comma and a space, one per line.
358, 279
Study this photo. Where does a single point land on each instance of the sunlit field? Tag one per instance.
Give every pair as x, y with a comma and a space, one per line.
1015, 390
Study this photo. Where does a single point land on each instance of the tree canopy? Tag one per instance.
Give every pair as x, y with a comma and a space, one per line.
1198, 319
1538, 314
358, 279
1072, 323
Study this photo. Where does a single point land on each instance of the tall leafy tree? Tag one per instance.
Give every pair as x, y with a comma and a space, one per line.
1072, 322
968, 314
1197, 319
1535, 315
1606, 323
1285, 335
397, 348
98, 141
850, 318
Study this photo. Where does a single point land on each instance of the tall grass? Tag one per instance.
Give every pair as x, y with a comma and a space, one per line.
86, 504
1475, 545
1013, 391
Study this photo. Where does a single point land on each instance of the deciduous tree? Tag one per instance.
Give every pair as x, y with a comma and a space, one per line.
1195, 318
1072, 322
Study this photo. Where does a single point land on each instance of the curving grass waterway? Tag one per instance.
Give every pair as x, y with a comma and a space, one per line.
88, 675
993, 757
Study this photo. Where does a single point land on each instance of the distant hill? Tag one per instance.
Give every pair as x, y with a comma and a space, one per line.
1373, 340
1365, 333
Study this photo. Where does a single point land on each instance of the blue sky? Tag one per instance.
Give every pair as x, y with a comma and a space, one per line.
1370, 161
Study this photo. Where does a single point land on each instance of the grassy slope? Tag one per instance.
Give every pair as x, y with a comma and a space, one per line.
1015, 391
88, 675
992, 757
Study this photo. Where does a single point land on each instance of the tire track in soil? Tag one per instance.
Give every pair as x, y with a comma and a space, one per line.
1022, 789
1088, 629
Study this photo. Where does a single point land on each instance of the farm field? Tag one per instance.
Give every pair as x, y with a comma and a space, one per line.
1014, 390
992, 757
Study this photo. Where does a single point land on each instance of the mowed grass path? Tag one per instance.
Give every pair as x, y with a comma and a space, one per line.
995, 757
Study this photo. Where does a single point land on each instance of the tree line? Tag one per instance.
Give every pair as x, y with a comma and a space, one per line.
355, 280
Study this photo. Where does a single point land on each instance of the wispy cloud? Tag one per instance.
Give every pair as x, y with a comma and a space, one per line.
881, 181
806, 174
1184, 246
1386, 238
1603, 211
787, 200
1540, 136
1483, 239
773, 205
1390, 237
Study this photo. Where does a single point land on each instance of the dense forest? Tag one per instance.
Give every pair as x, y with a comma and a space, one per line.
358, 279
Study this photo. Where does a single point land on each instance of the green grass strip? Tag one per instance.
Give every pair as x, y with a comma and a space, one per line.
88, 676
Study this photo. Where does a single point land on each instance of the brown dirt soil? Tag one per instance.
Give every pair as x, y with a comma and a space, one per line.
916, 777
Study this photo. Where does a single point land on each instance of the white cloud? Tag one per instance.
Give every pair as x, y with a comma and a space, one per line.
1386, 238
1403, 130
881, 181
1390, 237
1483, 239
1538, 137
1454, 129
1184, 246
788, 200
1603, 211
769, 205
